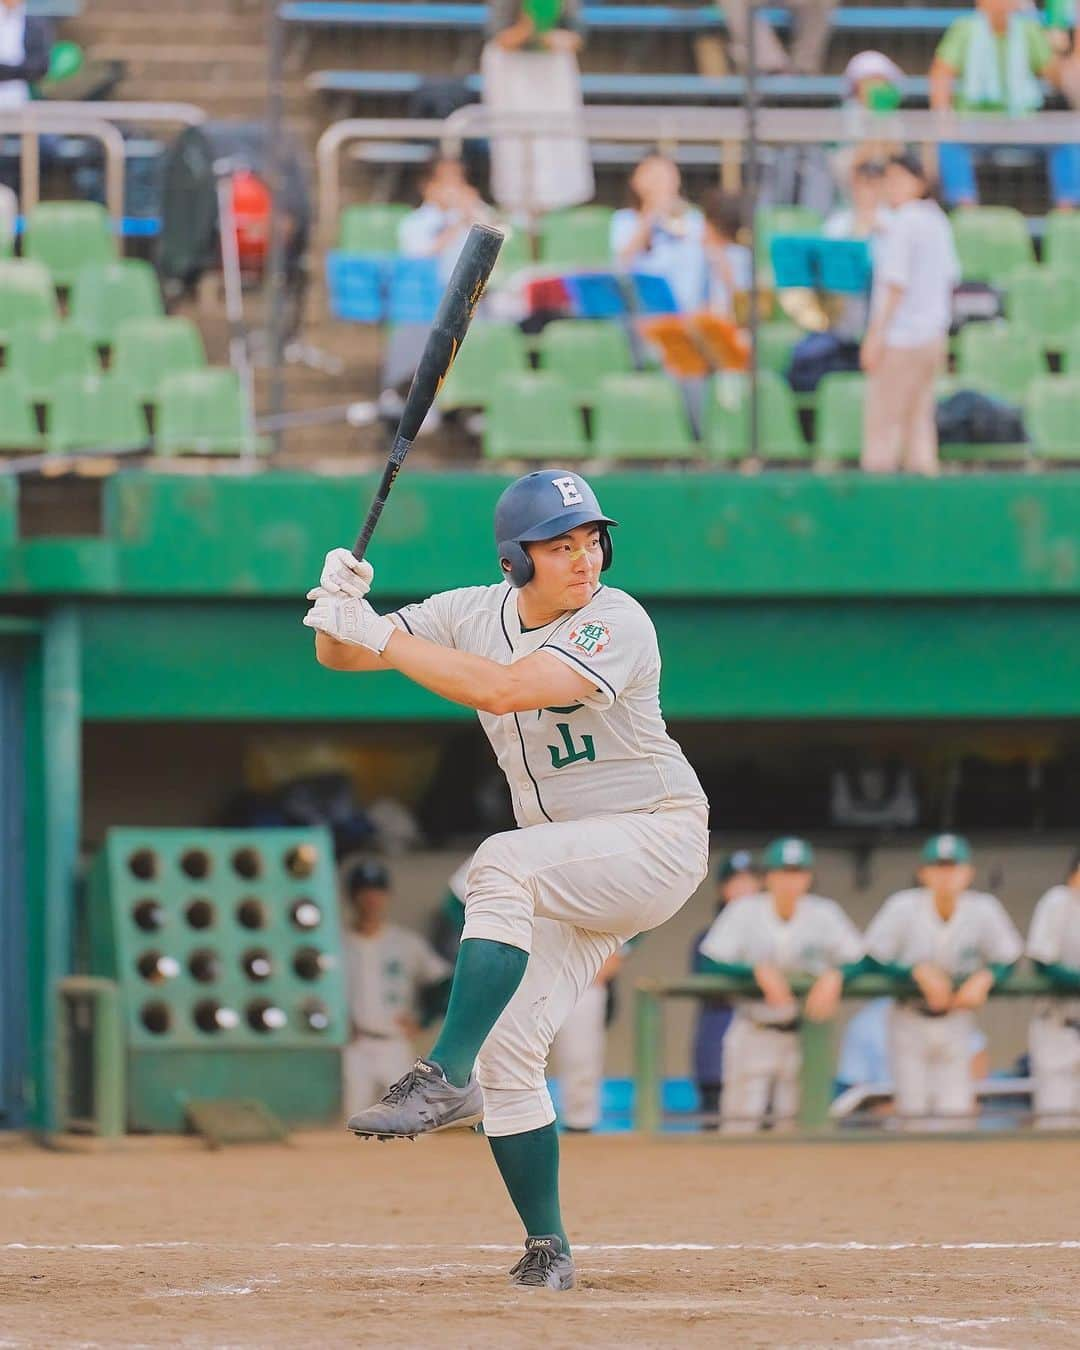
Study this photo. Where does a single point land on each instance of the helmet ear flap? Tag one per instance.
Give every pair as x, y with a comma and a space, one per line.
606, 550
517, 565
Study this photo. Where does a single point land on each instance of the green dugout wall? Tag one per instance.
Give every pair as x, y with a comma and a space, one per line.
776, 596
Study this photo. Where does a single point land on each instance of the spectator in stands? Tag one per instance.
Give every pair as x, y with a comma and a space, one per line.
661, 233
991, 61
807, 52
25, 44
910, 310
530, 72
736, 876
1054, 1035
866, 217
729, 264
439, 225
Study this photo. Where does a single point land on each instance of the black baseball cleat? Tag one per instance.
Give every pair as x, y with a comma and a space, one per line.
545, 1265
422, 1102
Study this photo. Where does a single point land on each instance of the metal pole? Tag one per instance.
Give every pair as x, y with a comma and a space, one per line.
752, 199
648, 1026
239, 355
275, 108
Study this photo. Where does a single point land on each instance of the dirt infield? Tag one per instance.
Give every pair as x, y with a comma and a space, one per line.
331, 1242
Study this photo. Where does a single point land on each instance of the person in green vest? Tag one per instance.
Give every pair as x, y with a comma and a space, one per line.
991, 61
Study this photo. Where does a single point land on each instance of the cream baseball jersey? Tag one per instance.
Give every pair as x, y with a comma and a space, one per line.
908, 930
818, 936
385, 974
608, 754
1054, 936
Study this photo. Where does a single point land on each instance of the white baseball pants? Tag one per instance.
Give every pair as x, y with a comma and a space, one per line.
569, 893
577, 1058
761, 1065
931, 1064
1055, 1066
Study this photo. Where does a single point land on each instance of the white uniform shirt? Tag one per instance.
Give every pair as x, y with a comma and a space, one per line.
608, 755
13, 93
817, 937
917, 253
908, 930
384, 976
676, 252
1054, 937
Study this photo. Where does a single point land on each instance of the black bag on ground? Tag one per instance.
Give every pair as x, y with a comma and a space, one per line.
970, 418
818, 355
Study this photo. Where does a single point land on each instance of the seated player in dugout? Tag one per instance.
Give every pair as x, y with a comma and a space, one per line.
950, 945
1054, 1035
767, 937
612, 837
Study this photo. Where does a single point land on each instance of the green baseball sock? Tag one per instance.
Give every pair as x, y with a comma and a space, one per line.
486, 975
529, 1164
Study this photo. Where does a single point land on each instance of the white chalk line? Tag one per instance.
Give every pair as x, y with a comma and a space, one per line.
1062, 1244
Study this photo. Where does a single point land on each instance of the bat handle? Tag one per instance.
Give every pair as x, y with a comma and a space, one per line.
396, 458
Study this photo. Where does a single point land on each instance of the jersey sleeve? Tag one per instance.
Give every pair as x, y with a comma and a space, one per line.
611, 643
723, 943
1002, 943
441, 617
884, 937
1044, 937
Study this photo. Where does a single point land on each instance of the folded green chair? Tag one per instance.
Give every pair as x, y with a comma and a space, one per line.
582, 351
94, 412
203, 412
1070, 356
1053, 416
371, 227
641, 416
533, 416
1061, 242
27, 296
727, 418
991, 242
18, 426
580, 237
491, 349
104, 295
1002, 359
146, 351
65, 236
1044, 304
42, 353
840, 399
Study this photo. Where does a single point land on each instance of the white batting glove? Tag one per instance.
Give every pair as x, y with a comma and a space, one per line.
352, 621
343, 575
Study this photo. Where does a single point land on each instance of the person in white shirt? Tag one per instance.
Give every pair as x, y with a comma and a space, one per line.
662, 234
25, 44
388, 970
440, 224
915, 272
768, 937
952, 944
1054, 1036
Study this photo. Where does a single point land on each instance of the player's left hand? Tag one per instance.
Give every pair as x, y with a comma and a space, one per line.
343, 575
824, 997
352, 621
973, 992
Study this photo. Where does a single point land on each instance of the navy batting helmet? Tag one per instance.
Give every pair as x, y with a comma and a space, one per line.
542, 505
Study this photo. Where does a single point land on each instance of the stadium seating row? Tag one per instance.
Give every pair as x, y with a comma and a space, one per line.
194, 412
643, 415
102, 295
65, 236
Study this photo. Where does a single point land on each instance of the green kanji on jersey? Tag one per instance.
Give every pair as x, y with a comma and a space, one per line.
572, 755
591, 637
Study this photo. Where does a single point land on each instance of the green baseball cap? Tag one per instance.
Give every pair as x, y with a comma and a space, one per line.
946, 848
789, 852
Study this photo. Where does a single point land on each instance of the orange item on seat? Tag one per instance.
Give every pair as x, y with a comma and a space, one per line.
678, 351
723, 343
251, 209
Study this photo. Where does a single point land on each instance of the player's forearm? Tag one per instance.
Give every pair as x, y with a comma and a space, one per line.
335, 655
461, 677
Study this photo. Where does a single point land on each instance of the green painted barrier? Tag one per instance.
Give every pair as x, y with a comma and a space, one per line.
818, 1063
90, 1080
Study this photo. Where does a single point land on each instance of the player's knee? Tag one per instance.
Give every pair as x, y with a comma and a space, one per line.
499, 904
516, 1110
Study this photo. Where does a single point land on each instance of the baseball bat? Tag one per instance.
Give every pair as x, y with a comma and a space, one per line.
448, 329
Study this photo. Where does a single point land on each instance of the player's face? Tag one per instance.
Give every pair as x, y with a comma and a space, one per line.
788, 884
566, 570
370, 904
946, 878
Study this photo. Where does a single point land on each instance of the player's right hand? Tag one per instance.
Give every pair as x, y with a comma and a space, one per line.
345, 576
934, 985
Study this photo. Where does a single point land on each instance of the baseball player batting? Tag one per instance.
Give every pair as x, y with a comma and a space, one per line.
612, 838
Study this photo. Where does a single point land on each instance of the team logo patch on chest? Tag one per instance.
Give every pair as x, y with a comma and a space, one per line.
590, 637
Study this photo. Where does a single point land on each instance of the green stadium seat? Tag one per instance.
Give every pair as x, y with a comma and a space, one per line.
776, 338
1044, 305
1061, 241
42, 353
1070, 356
1052, 416
202, 412
146, 351
93, 412
641, 416
491, 349
515, 253
26, 295
581, 236
105, 294
840, 416
582, 351
371, 227
1001, 358
991, 241
18, 426
533, 416
727, 418
65, 236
